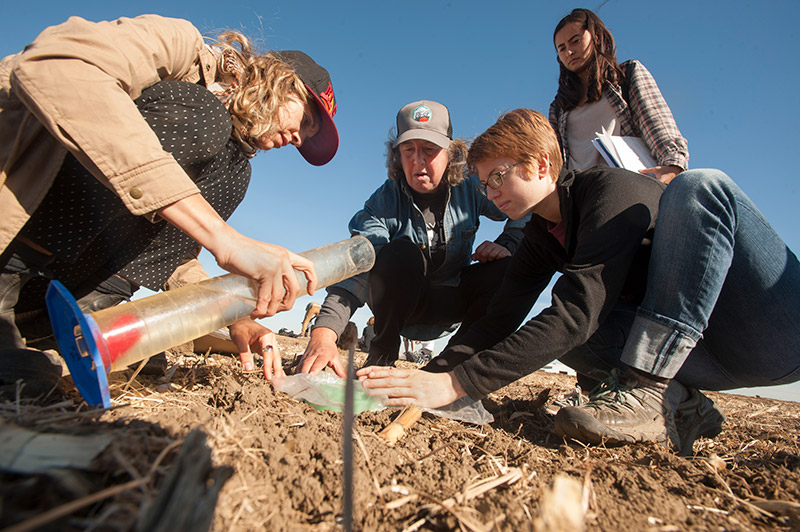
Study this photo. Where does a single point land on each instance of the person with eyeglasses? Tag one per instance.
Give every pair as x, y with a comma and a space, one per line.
664, 291
422, 221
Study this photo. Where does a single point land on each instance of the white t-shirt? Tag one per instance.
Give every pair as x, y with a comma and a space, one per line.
582, 124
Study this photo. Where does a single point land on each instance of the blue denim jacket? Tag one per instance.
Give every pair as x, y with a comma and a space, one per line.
390, 213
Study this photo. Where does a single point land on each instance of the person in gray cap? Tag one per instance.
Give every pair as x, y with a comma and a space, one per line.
422, 221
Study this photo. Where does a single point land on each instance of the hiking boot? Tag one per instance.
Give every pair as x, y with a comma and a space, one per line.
698, 416
627, 409
13, 277
38, 372
575, 398
29, 372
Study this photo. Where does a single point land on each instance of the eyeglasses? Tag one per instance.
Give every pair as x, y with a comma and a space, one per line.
495, 180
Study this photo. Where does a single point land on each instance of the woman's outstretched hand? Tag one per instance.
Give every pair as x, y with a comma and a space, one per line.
412, 386
321, 352
271, 266
252, 337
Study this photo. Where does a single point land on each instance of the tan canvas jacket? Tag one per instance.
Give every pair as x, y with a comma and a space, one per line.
73, 89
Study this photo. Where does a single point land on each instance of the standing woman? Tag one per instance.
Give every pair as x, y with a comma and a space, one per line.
595, 91
124, 146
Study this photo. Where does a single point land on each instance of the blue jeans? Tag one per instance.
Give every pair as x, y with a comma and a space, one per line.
722, 306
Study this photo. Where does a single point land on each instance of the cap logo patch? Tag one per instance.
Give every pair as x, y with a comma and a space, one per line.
329, 100
422, 114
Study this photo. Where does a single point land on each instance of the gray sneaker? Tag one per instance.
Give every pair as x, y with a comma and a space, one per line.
697, 416
422, 357
626, 409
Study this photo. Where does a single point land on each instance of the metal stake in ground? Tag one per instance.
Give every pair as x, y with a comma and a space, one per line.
347, 444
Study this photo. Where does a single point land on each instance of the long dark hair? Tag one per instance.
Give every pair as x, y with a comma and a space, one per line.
602, 66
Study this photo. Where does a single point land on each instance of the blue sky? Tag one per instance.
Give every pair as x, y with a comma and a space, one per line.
726, 72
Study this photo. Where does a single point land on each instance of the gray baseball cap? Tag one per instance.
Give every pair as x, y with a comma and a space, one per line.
425, 120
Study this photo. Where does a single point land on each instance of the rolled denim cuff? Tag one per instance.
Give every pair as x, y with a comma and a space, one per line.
657, 346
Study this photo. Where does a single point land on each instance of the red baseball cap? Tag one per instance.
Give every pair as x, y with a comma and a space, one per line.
320, 148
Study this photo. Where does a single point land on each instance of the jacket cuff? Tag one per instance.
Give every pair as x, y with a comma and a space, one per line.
336, 311
509, 243
676, 160
512, 234
466, 384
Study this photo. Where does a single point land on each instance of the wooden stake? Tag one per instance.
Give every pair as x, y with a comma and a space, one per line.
394, 430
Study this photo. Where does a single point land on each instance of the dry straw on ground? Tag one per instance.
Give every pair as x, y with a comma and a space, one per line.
284, 459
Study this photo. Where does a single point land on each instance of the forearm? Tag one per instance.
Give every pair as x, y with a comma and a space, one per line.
655, 121
273, 268
336, 311
324, 334
197, 218
530, 348
505, 313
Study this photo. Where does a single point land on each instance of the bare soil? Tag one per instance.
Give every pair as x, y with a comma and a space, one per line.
285, 458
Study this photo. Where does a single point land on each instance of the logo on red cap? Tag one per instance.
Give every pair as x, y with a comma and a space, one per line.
329, 100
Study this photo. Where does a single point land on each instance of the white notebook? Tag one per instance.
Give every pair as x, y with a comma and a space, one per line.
630, 153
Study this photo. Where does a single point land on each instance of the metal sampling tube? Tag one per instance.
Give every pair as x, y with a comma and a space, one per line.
116, 337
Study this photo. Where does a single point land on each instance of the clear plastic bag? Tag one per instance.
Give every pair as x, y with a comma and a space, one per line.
464, 409
325, 391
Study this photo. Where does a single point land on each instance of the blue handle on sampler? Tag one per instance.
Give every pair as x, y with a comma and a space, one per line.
88, 372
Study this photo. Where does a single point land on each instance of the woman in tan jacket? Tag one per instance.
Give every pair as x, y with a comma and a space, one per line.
109, 129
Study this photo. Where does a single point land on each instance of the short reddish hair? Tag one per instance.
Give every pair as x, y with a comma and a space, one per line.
522, 135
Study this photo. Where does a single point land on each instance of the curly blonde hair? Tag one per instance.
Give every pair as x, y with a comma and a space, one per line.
266, 84
456, 170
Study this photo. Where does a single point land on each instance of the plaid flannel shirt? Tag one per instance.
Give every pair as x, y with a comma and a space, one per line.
643, 114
